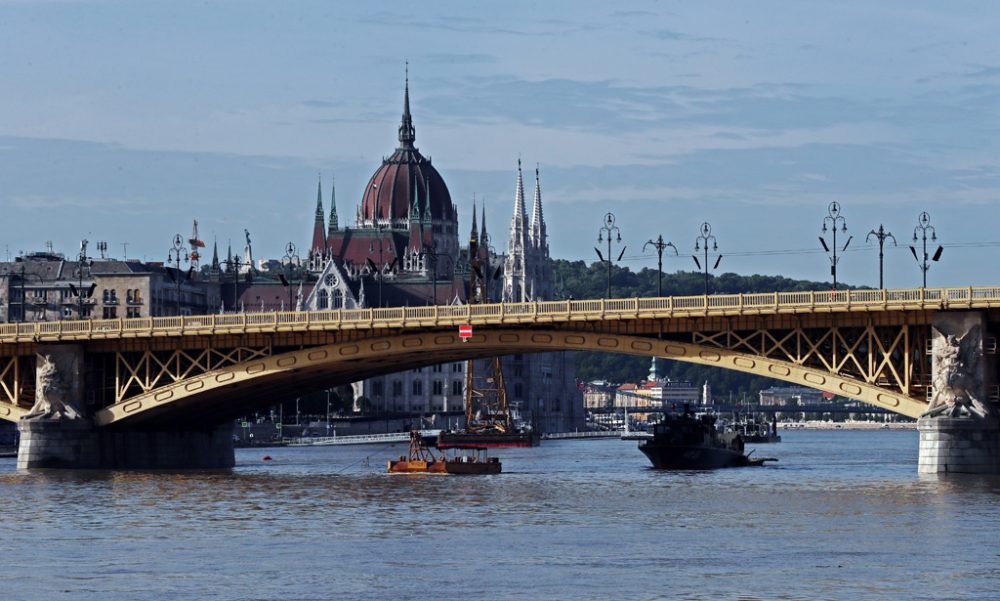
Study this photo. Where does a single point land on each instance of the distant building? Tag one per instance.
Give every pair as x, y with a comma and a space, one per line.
780, 396
47, 287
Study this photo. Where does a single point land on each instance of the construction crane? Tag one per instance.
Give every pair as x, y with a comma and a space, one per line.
195, 243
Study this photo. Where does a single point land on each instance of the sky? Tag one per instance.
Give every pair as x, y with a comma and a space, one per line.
124, 121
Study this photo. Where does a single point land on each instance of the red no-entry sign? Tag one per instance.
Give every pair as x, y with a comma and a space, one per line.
465, 332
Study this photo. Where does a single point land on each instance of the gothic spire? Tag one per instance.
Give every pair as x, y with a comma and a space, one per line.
519, 223
407, 134
319, 229
334, 224
216, 268
474, 236
537, 218
482, 234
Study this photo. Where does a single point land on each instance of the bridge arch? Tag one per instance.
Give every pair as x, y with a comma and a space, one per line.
230, 391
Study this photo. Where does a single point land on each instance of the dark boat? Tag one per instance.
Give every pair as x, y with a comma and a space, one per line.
690, 442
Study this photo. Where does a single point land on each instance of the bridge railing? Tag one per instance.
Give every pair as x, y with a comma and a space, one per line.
548, 311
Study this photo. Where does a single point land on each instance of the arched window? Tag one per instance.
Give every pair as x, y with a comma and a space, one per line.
128, 296
323, 300
107, 296
338, 300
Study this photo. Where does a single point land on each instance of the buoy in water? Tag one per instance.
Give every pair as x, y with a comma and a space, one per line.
267, 458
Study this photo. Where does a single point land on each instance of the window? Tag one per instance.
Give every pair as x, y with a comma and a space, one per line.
418, 370
106, 295
338, 299
438, 368
397, 388
518, 391
456, 387
128, 296
67, 312
377, 388
324, 300
456, 367
133, 312
517, 370
114, 296
438, 387
418, 388
110, 313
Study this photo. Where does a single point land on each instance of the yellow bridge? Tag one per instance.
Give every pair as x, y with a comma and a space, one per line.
869, 345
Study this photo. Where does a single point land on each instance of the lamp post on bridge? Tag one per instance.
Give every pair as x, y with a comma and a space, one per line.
660, 246
836, 220
881, 235
291, 262
380, 270
233, 264
609, 230
429, 251
174, 254
701, 244
82, 261
924, 226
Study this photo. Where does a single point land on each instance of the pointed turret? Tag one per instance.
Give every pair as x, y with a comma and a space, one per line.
483, 236
474, 236
216, 267
319, 229
334, 224
407, 135
537, 219
425, 212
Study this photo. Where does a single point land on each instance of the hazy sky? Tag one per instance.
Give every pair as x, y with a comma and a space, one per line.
123, 121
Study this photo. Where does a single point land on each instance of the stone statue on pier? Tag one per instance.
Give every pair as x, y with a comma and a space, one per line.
54, 398
957, 375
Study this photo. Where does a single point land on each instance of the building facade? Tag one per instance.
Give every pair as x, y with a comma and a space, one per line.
47, 287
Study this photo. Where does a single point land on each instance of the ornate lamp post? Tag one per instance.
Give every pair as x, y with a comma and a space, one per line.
381, 261
660, 246
291, 260
609, 230
836, 221
82, 261
881, 235
174, 255
233, 265
429, 251
701, 244
924, 226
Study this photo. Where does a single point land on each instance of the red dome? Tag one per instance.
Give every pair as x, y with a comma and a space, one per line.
390, 191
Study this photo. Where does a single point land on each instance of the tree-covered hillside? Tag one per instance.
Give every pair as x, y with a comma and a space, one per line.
577, 280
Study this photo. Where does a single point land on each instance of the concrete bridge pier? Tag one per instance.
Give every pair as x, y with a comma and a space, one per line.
59, 433
960, 432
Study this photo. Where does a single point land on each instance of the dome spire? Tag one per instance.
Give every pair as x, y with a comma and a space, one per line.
407, 134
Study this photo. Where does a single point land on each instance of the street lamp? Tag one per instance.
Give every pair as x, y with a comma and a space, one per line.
429, 251
82, 261
882, 236
705, 236
289, 257
924, 226
174, 255
836, 221
381, 261
233, 265
609, 230
660, 246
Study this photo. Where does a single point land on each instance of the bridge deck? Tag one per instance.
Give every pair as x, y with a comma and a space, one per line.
912, 299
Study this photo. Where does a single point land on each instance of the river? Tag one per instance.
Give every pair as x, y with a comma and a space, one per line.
842, 515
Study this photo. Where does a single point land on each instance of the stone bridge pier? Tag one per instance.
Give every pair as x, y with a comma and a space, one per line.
58, 432
960, 432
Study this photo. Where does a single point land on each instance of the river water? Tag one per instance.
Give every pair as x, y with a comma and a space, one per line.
843, 515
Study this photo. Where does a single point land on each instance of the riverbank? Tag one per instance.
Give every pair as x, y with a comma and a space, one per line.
848, 425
